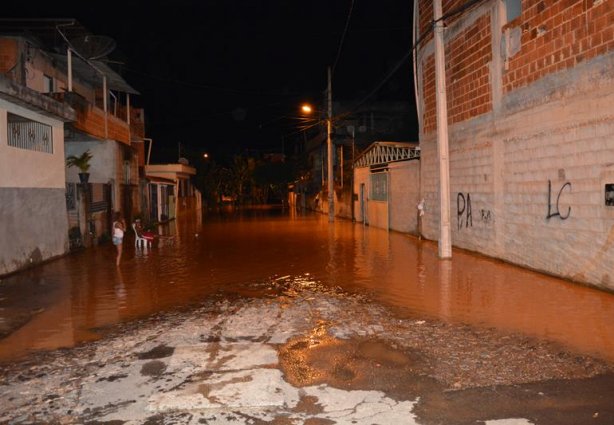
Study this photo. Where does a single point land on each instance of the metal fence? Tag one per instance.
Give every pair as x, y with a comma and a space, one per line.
30, 135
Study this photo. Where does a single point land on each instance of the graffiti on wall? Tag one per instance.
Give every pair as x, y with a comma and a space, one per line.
485, 216
463, 210
554, 210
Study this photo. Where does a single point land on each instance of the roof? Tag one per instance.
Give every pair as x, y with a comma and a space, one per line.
170, 171
382, 153
51, 35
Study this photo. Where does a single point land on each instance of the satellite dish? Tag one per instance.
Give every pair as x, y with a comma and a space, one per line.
93, 46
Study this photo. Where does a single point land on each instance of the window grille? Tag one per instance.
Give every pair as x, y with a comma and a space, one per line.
71, 196
379, 186
30, 135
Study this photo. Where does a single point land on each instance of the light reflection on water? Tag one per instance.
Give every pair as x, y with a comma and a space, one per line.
82, 293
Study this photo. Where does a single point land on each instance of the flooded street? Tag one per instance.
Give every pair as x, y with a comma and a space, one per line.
75, 298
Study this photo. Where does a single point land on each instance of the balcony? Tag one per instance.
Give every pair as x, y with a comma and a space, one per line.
93, 120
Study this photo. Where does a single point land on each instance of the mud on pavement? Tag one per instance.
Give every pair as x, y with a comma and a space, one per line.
305, 354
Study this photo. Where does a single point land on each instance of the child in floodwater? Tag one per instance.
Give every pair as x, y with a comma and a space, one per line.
119, 227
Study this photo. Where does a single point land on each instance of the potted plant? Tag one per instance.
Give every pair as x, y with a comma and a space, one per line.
82, 162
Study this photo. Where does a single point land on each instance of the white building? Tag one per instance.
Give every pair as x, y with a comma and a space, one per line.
33, 224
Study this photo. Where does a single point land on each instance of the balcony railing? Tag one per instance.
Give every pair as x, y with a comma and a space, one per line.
93, 120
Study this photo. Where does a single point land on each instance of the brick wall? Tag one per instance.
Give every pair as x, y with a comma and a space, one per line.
467, 71
558, 35
429, 120
8, 54
468, 56
425, 11
534, 166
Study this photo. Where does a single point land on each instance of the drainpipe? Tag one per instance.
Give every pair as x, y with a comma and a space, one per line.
104, 106
69, 59
128, 108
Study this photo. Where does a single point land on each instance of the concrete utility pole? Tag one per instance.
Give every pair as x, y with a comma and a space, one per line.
445, 233
329, 146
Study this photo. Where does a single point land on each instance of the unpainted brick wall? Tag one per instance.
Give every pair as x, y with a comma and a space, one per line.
8, 54
558, 35
468, 56
425, 10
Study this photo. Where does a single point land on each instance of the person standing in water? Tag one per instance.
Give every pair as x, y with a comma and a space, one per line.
119, 227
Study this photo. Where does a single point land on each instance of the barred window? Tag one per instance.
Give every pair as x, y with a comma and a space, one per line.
24, 133
379, 186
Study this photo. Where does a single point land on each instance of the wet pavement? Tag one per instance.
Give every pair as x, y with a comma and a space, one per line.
305, 354
265, 318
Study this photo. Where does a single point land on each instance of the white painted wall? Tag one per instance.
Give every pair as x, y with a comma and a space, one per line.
400, 211
21, 168
404, 195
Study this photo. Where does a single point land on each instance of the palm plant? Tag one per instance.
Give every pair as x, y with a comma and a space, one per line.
82, 162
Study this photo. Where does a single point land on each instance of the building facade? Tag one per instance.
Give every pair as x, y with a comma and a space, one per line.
41, 55
530, 103
33, 226
387, 186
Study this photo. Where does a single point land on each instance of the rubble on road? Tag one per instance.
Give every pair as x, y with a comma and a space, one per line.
302, 352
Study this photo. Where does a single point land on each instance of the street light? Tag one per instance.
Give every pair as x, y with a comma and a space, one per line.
329, 146
307, 109
205, 155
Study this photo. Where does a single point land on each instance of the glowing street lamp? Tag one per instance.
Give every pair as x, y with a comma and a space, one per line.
307, 109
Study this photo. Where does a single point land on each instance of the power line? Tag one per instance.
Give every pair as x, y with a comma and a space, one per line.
347, 24
451, 13
207, 86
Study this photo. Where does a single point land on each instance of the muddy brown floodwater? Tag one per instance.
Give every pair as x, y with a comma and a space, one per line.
75, 298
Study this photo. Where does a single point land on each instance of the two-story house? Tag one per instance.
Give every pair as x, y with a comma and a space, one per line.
65, 62
33, 226
530, 107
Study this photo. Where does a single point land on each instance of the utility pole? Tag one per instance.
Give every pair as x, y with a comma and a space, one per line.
329, 146
445, 233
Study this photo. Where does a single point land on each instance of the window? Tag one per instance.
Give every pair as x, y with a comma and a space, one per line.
48, 84
379, 186
127, 172
27, 134
513, 9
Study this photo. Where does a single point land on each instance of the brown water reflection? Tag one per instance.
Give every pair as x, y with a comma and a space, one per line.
79, 294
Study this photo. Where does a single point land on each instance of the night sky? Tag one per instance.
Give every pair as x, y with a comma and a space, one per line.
220, 75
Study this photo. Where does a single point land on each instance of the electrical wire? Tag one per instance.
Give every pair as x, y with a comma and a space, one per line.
398, 65
347, 24
209, 87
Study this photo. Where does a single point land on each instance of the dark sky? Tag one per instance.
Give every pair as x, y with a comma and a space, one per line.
221, 74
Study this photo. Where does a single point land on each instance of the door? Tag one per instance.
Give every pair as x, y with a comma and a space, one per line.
363, 204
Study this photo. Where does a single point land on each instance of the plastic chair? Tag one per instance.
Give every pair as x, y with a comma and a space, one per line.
139, 239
